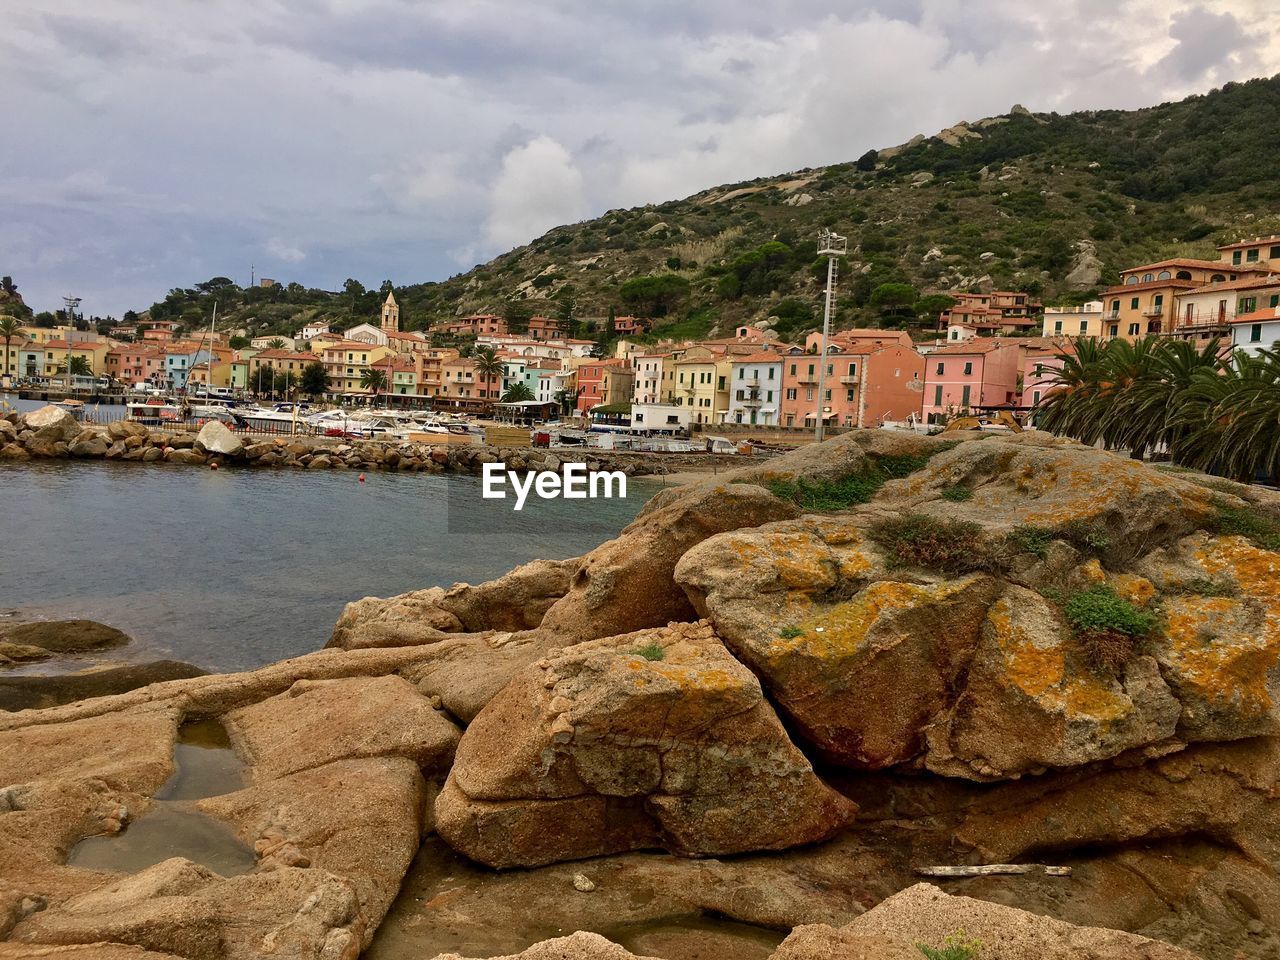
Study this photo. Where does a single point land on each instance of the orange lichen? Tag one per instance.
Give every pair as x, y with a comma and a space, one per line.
1214, 657
1137, 590
1038, 668
1254, 570
840, 630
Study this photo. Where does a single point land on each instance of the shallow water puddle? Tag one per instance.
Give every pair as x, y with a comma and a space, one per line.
206, 766
448, 904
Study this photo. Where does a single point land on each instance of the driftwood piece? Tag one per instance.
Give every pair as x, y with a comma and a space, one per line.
994, 869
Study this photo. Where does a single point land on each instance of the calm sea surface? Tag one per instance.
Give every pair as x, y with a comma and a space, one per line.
237, 568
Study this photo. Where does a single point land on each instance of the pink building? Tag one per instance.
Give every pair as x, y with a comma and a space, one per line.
867, 384
976, 373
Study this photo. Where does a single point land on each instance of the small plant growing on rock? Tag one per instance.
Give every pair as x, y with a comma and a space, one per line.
1261, 529
1029, 539
1087, 536
824, 495
790, 632
957, 494
956, 946
1204, 587
915, 540
1110, 630
650, 651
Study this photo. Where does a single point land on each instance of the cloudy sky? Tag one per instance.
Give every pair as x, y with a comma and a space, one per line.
155, 143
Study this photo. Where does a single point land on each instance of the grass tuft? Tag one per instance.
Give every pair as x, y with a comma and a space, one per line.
915, 540
1259, 528
650, 651
956, 946
1110, 630
790, 632
1029, 539
957, 494
848, 491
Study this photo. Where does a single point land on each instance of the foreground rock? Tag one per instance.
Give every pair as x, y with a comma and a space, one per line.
215, 438
657, 738
32, 693
579, 946
60, 637
925, 915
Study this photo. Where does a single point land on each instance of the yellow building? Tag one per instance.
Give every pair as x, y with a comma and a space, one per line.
699, 378
57, 352
345, 363
1144, 300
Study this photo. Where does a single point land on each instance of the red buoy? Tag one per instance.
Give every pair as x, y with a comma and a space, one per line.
214, 465
361, 478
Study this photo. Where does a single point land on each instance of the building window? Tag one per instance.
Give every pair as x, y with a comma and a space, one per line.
964, 396
1035, 396
1247, 305
1133, 329
848, 395
968, 368
1255, 333
1131, 279
1133, 304
791, 393
1164, 275
1057, 326
853, 369
939, 370
793, 370
771, 373
1252, 256
1275, 297
1235, 257
937, 396
1084, 326
1147, 278
808, 394
1115, 308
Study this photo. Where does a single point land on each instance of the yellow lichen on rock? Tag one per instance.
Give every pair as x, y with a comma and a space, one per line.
1216, 658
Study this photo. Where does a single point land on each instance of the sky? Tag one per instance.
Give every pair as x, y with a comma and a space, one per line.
148, 144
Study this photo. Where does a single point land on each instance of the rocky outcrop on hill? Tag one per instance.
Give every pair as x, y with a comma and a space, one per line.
831, 666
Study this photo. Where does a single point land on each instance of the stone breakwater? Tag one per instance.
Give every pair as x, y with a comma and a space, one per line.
51, 433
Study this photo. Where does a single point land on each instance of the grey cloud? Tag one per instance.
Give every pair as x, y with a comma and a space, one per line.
161, 144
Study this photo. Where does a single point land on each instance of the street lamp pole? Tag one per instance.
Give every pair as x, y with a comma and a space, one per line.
71, 303
833, 246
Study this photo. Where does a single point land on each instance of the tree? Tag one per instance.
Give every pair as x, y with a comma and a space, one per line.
238, 342
275, 343
895, 301
654, 296
565, 324
46, 320
373, 380
8, 331
929, 307
489, 369
519, 393
568, 400
80, 366
315, 382
517, 313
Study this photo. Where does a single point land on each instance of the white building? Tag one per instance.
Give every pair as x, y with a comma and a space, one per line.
1082, 321
660, 418
312, 329
367, 333
1255, 331
648, 377
755, 389
551, 384
269, 343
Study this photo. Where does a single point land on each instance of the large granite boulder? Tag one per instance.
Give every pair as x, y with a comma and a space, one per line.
1032, 700
65, 636
653, 739
627, 584
215, 437
800, 603
52, 424
577, 946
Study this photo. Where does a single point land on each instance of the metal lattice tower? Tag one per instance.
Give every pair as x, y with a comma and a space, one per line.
833, 247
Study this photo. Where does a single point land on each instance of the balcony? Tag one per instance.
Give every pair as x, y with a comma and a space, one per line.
851, 379
806, 378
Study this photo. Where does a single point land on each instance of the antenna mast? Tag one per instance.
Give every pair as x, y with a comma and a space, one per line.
833, 246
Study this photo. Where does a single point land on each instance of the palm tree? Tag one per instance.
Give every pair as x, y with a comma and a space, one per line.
275, 343
1232, 419
489, 366
80, 367
373, 379
10, 330
519, 393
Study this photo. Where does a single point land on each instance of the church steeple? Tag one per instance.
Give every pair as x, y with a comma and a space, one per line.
390, 314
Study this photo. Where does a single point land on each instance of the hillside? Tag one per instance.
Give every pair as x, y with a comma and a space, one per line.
1053, 204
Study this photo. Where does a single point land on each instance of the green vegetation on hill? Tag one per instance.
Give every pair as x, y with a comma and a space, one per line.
1047, 203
